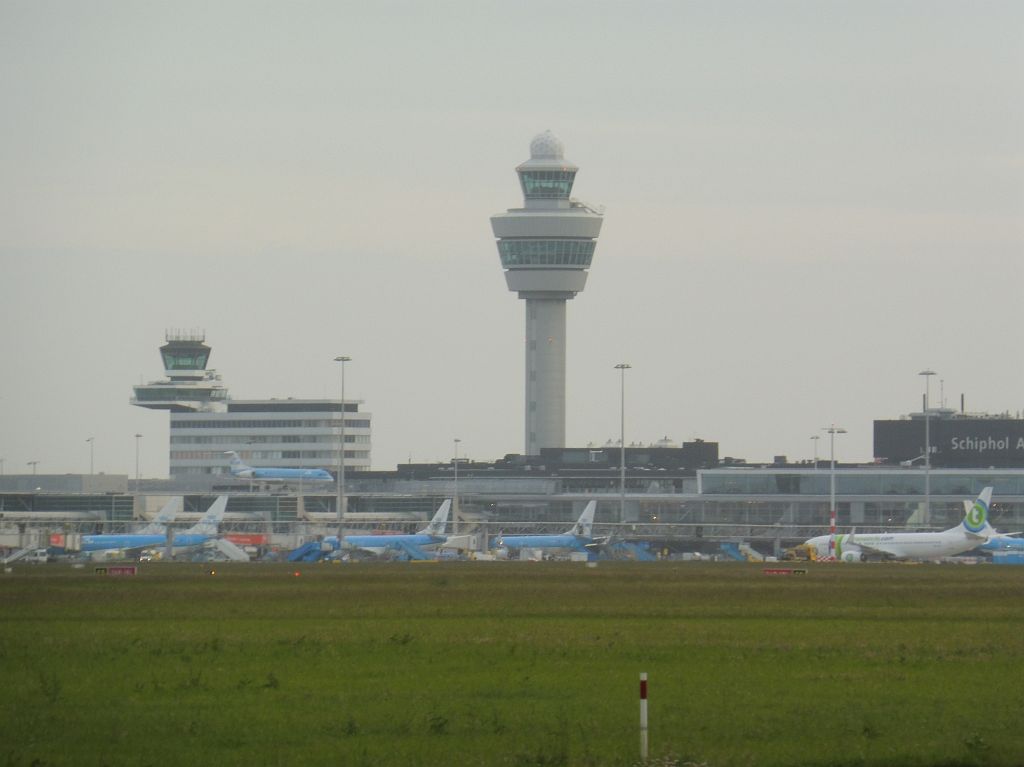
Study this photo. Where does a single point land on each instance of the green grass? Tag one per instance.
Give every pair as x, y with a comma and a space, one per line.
512, 664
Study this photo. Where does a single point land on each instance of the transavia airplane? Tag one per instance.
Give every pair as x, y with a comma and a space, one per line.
579, 537
268, 474
147, 538
971, 533
411, 545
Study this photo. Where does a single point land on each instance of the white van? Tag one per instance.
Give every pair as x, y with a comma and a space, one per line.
37, 557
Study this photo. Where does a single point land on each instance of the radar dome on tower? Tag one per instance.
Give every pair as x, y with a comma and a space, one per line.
546, 146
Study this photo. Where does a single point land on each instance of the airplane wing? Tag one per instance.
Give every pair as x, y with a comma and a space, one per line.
412, 550
872, 548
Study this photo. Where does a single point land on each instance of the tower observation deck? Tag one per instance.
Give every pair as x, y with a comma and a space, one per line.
188, 387
546, 248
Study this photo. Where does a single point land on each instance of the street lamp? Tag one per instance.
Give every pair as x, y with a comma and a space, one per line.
833, 430
33, 464
137, 438
816, 437
927, 448
455, 492
341, 450
622, 367
92, 444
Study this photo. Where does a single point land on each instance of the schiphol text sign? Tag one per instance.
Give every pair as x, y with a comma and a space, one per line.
986, 444
955, 443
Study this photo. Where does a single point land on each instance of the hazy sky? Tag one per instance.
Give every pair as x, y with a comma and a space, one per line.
806, 204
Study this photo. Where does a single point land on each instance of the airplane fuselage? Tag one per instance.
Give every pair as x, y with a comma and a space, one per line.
116, 542
898, 545
571, 542
385, 542
284, 475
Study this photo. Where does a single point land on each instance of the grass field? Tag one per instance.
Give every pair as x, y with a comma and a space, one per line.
512, 664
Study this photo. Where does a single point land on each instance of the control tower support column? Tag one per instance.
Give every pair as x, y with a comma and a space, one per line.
545, 373
546, 248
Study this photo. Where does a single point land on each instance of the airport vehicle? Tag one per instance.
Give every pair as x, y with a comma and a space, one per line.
413, 546
972, 532
37, 557
577, 538
275, 474
200, 532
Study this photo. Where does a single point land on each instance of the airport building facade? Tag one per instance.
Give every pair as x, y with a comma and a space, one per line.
300, 434
954, 438
674, 504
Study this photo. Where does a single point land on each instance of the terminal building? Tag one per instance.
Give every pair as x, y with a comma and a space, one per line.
675, 498
955, 439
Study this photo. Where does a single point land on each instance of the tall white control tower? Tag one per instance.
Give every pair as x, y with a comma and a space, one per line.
545, 248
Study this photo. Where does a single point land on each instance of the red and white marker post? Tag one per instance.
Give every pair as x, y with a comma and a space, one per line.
643, 715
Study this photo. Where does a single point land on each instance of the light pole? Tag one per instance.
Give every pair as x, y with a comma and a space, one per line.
92, 443
622, 367
816, 437
341, 450
137, 438
455, 492
833, 430
33, 464
927, 448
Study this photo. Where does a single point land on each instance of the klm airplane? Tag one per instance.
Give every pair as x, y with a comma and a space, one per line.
266, 474
413, 546
577, 538
150, 538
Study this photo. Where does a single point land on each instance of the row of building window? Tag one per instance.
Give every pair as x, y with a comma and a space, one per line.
538, 252
321, 456
146, 394
894, 482
228, 439
546, 184
185, 361
350, 423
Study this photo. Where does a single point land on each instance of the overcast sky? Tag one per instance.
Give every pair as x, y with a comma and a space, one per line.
807, 203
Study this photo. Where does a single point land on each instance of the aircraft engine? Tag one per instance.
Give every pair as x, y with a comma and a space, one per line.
856, 555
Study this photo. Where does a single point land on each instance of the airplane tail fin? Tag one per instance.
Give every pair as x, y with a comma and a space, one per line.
975, 520
237, 464
163, 518
440, 521
585, 524
210, 521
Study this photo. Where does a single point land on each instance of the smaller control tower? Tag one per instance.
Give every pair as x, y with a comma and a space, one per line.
546, 248
189, 387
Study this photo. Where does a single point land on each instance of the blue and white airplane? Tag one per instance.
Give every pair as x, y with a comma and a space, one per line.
578, 538
413, 546
272, 474
147, 538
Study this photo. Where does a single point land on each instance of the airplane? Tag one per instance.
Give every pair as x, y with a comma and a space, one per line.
411, 545
148, 538
579, 537
973, 531
1003, 542
267, 474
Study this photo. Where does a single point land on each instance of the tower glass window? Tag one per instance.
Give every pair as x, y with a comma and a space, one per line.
546, 184
185, 359
541, 252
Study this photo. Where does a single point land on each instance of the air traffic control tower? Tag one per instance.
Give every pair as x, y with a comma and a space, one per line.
188, 387
546, 248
